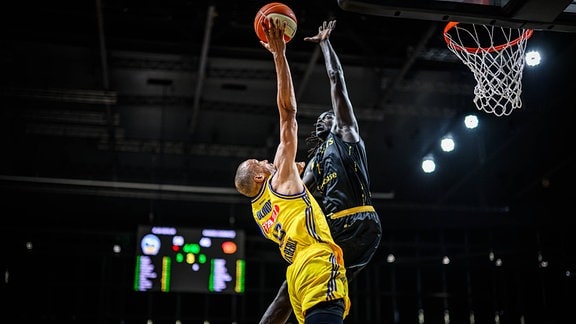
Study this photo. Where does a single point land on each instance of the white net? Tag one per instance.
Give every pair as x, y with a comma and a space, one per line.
496, 57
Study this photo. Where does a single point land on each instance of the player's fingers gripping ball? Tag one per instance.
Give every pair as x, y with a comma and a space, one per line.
279, 11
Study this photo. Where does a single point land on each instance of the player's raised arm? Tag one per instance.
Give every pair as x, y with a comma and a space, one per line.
287, 179
345, 123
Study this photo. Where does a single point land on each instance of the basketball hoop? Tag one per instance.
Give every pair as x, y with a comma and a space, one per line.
496, 57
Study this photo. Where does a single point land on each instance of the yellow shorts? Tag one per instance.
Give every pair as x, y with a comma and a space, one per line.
317, 275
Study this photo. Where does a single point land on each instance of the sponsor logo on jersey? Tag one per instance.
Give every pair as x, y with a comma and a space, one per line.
289, 250
265, 210
327, 179
270, 221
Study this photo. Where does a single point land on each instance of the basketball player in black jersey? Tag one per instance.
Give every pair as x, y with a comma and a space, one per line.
338, 169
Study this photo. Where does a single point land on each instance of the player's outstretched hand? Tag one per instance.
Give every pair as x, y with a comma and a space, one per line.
323, 32
275, 35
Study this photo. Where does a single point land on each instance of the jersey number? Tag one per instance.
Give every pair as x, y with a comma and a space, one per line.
278, 232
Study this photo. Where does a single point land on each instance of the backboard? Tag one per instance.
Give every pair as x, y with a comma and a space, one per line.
553, 15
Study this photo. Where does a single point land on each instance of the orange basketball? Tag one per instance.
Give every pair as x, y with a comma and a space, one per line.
275, 10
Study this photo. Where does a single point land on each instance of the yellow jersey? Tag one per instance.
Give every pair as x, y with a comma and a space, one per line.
297, 224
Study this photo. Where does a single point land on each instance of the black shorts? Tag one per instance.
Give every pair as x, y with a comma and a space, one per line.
326, 312
359, 237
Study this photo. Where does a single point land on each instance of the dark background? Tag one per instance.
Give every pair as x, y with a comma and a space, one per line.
120, 113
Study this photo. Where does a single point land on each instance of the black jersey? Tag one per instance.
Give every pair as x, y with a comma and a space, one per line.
341, 173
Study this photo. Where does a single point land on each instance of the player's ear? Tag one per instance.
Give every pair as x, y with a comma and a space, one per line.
259, 177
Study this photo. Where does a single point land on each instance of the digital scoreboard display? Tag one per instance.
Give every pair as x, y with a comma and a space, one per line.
189, 260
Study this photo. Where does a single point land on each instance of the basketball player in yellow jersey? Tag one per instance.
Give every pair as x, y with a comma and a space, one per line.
289, 215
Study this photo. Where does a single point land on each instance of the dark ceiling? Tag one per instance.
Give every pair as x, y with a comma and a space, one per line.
140, 111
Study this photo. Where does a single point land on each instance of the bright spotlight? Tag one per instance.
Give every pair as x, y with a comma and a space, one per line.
532, 58
447, 143
428, 164
471, 121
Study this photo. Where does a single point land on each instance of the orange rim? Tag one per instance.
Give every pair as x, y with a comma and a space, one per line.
525, 35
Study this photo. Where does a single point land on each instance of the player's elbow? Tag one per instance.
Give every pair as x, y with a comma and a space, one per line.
288, 106
335, 74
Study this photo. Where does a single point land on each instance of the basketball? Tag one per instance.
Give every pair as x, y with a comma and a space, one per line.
275, 10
